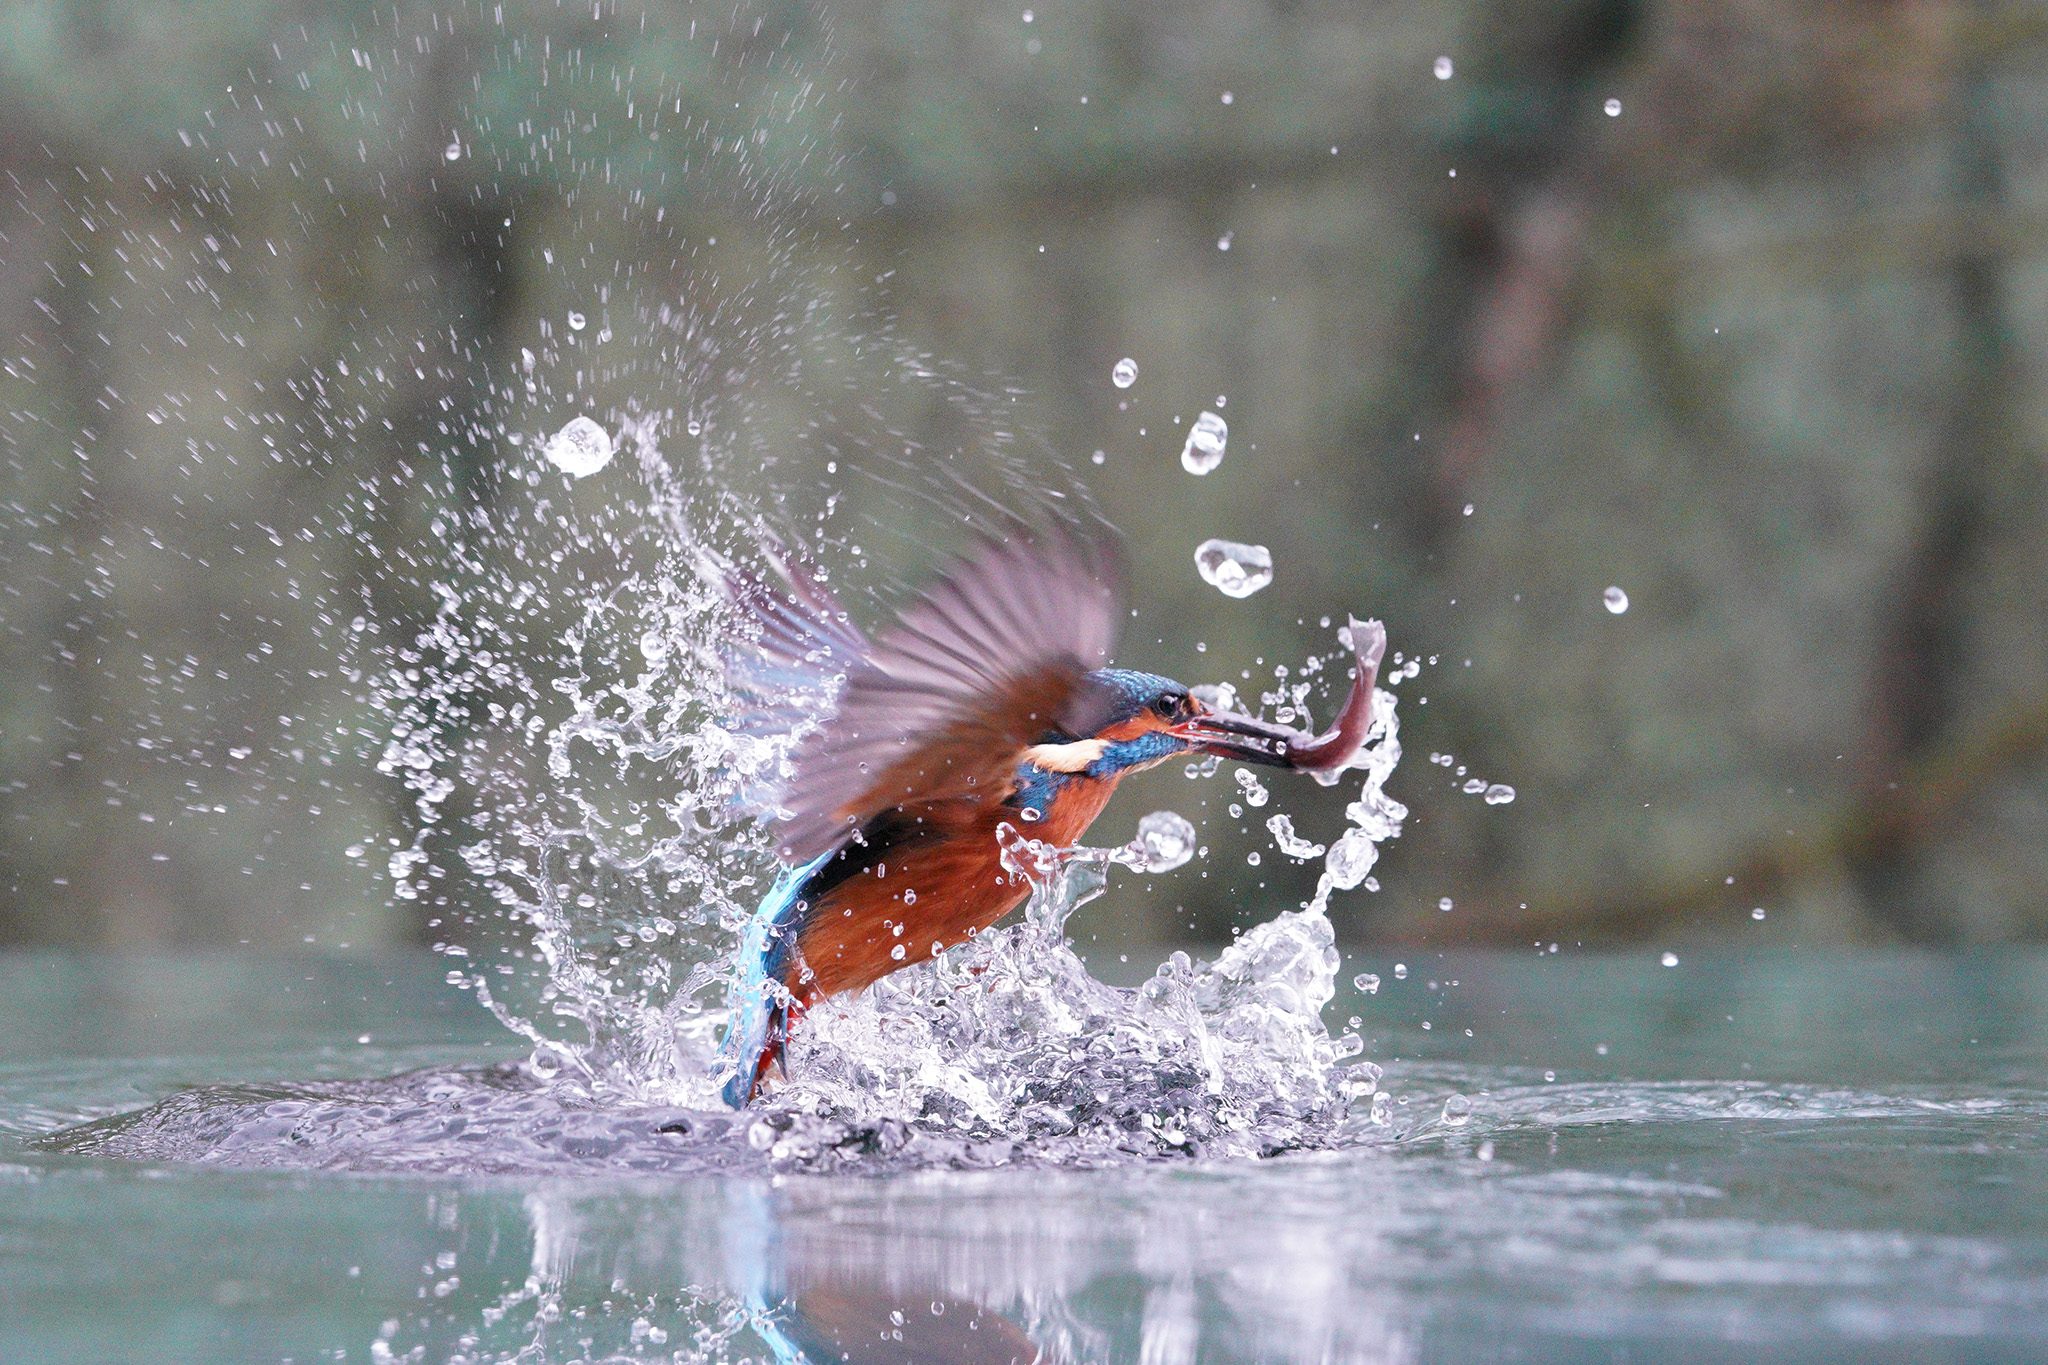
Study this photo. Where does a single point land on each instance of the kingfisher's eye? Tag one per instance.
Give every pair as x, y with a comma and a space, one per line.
1173, 705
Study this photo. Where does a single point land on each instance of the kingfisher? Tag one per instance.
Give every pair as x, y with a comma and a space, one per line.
989, 701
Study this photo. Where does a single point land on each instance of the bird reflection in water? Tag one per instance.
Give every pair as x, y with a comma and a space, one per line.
832, 1319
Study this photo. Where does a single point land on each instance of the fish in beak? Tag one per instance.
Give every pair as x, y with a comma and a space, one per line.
1248, 740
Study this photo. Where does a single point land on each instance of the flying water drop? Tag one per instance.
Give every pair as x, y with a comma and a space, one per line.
579, 449
1499, 794
1616, 600
1205, 443
1165, 841
1281, 827
1232, 569
1125, 374
1350, 859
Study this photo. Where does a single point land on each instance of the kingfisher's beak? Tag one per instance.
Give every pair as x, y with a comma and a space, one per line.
1240, 738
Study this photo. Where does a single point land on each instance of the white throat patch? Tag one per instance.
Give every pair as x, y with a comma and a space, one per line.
1065, 758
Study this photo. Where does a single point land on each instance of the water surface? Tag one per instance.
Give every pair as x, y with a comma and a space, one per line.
1824, 1157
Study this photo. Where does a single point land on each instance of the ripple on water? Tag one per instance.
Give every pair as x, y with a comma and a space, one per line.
504, 1120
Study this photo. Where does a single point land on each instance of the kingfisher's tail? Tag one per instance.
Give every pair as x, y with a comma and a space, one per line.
762, 1006
763, 1043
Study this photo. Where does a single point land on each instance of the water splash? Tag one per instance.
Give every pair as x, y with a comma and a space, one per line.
1006, 1051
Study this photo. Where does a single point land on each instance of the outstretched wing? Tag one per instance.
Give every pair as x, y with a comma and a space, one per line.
791, 667
989, 659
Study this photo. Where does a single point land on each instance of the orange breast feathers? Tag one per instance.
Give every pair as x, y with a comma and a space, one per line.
934, 886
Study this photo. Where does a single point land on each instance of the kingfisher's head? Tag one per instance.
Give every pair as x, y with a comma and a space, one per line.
1128, 720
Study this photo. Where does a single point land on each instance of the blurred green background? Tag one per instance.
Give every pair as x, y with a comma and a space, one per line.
1738, 306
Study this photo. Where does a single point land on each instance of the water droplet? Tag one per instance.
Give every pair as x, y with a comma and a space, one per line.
1400, 971
453, 151
1350, 858
1443, 69
1616, 600
1165, 841
1228, 98
898, 953
1457, 1111
1125, 374
1368, 982
1287, 841
1232, 569
1669, 959
1613, 108
579, 449
576, 321
654, 645
1757, 913
1499, 794
1223, 242
1445, 903
1031, 815
1205, 443
1255, 793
